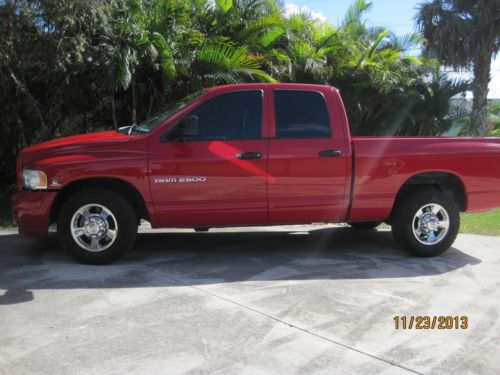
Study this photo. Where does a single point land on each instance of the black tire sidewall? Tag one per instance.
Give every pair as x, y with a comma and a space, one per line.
402, 221
122, 211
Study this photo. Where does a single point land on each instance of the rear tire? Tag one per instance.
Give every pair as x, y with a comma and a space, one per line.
425, 222
96, 226
365, 224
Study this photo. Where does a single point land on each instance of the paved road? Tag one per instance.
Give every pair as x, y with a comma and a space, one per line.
311, 300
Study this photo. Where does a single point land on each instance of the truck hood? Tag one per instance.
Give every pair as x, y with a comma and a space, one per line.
74, 143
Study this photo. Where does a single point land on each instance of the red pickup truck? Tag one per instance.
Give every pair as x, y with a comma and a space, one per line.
256, 154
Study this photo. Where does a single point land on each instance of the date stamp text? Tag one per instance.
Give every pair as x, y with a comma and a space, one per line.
431, 322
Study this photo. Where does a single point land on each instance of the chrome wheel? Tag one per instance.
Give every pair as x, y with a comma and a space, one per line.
430, 224
94, 227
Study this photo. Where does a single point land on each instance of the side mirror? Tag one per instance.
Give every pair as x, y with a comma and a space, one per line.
190, 126
184, 130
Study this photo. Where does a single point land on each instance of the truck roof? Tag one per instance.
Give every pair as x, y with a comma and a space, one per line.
243, 86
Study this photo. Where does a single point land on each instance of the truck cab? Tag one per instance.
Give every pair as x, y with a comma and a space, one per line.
252, 154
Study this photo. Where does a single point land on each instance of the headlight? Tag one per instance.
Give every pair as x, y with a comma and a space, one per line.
34, 180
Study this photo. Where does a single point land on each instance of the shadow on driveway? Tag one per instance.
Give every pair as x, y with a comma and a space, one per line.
171, 259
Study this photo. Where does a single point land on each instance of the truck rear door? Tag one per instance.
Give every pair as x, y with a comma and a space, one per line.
308, 157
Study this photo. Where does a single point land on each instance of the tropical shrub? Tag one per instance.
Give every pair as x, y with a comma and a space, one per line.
77, 66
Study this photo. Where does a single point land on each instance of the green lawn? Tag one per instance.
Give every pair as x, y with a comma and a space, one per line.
487, 223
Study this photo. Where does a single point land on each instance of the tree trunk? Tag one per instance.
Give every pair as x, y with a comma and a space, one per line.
31, 98
21, 139
134, 102
479, 114
113, 111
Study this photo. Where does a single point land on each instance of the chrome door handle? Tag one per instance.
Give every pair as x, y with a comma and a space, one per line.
330, 153
249, 155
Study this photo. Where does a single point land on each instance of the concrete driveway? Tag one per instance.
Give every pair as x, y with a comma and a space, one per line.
311, 300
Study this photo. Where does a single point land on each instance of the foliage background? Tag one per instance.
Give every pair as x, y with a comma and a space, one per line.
69, 66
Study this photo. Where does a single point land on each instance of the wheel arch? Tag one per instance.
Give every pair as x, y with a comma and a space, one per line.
444, 181
115, 184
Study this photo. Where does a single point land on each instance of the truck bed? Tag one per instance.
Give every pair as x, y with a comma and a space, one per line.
383, 164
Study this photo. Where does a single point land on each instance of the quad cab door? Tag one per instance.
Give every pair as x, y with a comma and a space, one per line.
308, 157
210, 168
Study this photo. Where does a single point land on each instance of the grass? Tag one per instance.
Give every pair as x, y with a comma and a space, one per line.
486, 223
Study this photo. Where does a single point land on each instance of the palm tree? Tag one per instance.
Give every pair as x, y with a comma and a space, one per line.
178, 47
464, 34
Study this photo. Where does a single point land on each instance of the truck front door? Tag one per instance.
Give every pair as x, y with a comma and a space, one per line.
211, 167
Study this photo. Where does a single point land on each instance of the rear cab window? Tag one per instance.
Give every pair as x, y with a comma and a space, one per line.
301, 114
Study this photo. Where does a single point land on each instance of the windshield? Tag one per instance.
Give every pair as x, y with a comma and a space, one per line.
152, 122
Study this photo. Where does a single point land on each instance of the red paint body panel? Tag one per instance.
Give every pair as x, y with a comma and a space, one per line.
30, 212
234, 191
289, 184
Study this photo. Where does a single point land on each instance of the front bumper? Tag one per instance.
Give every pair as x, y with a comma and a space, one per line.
31, 211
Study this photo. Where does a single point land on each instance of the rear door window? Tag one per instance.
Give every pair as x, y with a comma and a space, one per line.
301, 114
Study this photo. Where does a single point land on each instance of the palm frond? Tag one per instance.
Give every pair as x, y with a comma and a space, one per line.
355, 13
220, 62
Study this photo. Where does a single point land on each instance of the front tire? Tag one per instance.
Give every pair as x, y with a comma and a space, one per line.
425, 222
96, 226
